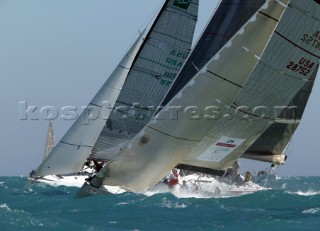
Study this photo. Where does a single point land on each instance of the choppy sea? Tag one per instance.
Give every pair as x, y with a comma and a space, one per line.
293, 204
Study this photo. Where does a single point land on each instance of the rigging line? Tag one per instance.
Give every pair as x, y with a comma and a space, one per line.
224, 79
296, 45
166, 134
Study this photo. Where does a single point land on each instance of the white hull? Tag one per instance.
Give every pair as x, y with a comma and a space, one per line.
55, 181
76, 180
198, 186
207, 186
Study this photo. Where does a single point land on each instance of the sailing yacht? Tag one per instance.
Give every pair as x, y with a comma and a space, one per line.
266, 62
130, 96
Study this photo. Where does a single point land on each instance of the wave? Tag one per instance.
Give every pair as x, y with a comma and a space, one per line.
5, 206
170, 204
311, 211
307, 193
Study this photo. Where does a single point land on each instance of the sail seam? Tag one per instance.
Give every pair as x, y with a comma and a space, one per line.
224, 79
135, 106
166, 43
183, 13
77, 145
296, 45
269, 16
158, 63
148, 72
166, 134
93, 104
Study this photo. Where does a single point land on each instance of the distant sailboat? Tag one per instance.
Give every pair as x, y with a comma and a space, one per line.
132, 93
266, 63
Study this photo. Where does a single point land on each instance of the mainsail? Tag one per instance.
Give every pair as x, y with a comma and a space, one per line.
143, 77
171, 136
49, 142
165, 51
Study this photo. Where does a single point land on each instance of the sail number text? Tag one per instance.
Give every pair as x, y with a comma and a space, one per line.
313, 40
303, 67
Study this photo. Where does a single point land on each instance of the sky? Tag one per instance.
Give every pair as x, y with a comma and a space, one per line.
58, 53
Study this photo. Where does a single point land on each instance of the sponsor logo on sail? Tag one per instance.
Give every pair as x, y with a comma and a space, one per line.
184, 4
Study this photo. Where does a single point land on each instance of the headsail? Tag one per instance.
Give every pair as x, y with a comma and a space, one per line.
172, 136
72, 150
229, 17
49, 142
286, 65
271, 144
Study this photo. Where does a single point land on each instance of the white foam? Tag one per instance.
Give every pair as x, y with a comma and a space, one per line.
311, 211
307, 193
174, 205
5, 206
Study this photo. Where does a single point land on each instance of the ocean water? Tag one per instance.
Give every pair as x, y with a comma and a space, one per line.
293, 204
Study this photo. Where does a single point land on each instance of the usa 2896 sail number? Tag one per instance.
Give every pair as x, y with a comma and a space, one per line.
303, 67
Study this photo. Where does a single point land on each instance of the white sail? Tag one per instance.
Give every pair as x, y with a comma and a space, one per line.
49, 142
168, 140
72, 150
